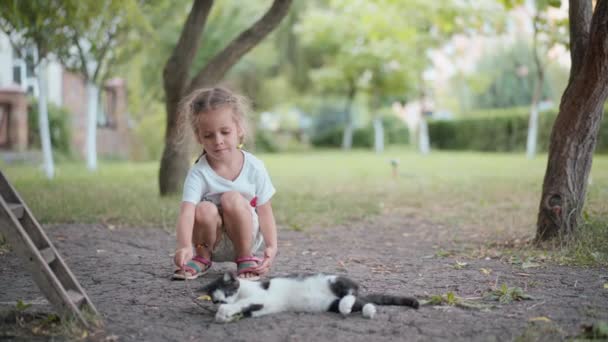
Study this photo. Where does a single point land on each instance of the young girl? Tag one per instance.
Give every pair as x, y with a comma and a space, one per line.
225, 211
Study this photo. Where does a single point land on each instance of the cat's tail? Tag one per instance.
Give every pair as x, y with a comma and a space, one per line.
382, 299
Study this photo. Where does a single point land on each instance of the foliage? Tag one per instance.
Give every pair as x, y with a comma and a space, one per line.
506, 295
264, 142
596, 331
20, 306
60, 127
589, 246
148, 133
362, 138
96, 31
375, 54
505, 78
451, 299
35, 25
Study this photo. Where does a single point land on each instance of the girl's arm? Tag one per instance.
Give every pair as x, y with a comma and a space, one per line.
185, 225
268, 228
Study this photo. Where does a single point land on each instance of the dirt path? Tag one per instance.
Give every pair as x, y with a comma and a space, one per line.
126, 274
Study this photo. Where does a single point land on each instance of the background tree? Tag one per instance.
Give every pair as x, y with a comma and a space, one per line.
376, 56
95, 34
358, 57
545, 34
35, 30
576, 127
177, 80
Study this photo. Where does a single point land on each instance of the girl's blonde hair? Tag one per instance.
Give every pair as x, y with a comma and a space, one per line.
205, 100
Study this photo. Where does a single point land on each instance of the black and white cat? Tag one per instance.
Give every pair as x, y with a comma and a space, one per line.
304, 293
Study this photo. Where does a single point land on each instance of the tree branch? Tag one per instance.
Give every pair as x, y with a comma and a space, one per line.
102, 54
598, 40
580, 12
224, 60
83, 59
175, 73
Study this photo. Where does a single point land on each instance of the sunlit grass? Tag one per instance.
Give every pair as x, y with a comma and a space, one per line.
475, 193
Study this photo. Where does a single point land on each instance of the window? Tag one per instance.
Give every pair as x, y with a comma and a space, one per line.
17, 74
106, 108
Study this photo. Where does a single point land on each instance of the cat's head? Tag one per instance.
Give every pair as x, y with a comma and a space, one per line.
224, 289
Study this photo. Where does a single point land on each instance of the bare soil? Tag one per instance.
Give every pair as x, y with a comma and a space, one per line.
126, 272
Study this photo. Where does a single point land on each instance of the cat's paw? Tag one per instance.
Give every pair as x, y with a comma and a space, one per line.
369, 310
227, 313
346, 304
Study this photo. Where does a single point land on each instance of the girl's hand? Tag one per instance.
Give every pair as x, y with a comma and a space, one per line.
182, 255
269, 254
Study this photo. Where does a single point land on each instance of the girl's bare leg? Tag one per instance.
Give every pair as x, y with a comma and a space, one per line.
207, 227
238, 223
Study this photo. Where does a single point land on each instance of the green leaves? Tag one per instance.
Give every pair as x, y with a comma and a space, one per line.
98, 32
597, 330
506, 295
34, 25
21, 306
451, 299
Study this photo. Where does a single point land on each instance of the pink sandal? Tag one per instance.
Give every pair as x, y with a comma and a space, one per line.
192, 270
247, 265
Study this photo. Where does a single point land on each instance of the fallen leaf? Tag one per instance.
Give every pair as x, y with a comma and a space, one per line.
539, 319
485, 271
460, 265
205, 297
530, 264
606, 286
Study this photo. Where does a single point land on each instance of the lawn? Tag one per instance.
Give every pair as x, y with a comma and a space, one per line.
475, 193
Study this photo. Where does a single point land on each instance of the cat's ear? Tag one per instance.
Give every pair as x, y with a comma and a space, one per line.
229, 277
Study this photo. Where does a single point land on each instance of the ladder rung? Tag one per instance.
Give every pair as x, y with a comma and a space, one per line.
48, 255
75, 297
17, 209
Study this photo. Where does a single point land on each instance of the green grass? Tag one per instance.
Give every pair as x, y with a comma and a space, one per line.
481, 194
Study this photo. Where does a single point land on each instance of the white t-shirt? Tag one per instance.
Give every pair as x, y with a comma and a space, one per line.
203, 184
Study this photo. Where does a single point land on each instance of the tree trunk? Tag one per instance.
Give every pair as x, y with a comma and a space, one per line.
43, 121
347, 138
378, 135
574, 134
176, 155
175, 160
92, 103
424, 144
423, 128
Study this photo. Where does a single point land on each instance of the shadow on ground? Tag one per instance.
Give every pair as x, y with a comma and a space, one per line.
126, 274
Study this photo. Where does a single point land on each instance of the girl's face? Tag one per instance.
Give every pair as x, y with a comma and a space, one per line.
219, 133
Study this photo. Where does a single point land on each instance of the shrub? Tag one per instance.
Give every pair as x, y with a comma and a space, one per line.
264, 141
395, 132
500, 133
59, 127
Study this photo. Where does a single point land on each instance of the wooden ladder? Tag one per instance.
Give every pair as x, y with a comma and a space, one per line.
41, 259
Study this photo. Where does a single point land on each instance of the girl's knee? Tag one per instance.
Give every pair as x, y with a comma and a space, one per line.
206, 213
232, 202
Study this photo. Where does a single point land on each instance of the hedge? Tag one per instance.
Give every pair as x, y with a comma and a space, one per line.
506, 133
395, 132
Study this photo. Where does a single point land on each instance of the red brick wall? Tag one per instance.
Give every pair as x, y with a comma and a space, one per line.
74, 98
14, 104
113, 140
